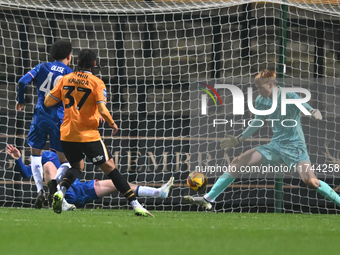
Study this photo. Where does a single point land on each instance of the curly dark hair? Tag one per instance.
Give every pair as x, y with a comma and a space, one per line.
61, 49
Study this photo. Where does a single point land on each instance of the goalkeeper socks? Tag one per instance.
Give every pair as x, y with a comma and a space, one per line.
70, 176
37, 171
122, 185
325, 190
222, 183
62, 171
144, 191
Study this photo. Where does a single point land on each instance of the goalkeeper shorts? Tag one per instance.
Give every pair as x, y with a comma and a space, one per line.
277, 153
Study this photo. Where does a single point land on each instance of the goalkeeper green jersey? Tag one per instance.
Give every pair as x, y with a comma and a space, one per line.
286, 128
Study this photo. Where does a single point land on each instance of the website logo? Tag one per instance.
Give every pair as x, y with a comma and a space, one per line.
204, 97
238, 99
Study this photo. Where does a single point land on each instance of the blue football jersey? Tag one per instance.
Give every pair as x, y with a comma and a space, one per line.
47, 76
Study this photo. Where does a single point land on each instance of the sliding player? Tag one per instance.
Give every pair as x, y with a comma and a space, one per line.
287, 145
50, 163
46, 121
81, 193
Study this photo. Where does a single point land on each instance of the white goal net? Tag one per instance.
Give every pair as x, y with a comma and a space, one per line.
154, 55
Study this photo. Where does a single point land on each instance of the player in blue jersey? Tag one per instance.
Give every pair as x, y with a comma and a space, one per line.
50, 163
46, 120
81, 193
287, 145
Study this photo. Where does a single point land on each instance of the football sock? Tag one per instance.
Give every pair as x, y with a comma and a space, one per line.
221, 184
70, 176
62, 171
37, 171
325, 190
121, 185
144, 191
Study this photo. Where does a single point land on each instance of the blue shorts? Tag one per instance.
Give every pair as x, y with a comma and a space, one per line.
50, 156
44, 125
278, 153
81, 193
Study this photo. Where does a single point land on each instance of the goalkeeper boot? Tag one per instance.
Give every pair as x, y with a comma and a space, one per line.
68, 207
39, 203
52, 188
58, 201
166, 188
141, 211
198, 201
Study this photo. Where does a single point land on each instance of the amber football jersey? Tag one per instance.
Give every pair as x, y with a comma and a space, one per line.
80, 93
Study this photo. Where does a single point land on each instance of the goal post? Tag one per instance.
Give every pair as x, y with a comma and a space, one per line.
156, 57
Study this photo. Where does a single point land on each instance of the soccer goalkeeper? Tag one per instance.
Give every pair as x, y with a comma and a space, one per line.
287, 145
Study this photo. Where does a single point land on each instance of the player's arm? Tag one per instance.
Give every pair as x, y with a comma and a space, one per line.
231, 141
22, 84
25, 171
51, 100
54, 96
315, 113
104, 112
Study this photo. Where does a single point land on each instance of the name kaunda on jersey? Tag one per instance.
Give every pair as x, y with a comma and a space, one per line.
78, 81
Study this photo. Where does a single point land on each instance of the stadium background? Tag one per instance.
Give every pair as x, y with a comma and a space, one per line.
149, 61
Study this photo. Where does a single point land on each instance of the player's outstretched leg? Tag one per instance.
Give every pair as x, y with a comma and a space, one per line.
166, 188
58, 201
309, 178
325, 190
198, 201
221, 184
122, 185
39, 203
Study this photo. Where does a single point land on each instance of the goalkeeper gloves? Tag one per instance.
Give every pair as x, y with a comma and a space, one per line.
316, 114
230, 142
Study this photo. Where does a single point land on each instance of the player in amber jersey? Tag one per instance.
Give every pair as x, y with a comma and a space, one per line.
81, 93
84, 98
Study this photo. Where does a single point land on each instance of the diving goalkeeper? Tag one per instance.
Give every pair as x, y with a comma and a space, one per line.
287, 145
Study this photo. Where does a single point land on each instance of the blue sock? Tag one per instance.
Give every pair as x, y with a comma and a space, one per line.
221, 184
328, 193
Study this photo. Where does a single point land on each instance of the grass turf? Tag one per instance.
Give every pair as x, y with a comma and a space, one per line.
31, 231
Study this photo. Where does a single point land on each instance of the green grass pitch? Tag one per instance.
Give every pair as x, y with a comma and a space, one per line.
31, 231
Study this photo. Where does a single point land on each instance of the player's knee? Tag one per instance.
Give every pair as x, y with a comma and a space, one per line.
312, 183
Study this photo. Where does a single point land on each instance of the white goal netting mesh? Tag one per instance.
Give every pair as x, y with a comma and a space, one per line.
153, 55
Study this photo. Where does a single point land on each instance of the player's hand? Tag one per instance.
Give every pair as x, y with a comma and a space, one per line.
101, 119
229, 142
114, 127
19, 107
316, 114
13, 152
